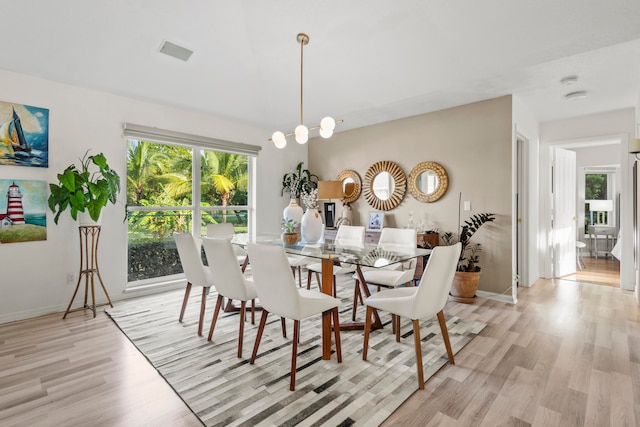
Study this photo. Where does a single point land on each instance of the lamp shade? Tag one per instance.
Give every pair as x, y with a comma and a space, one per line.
328, 190
634, 146
600, 205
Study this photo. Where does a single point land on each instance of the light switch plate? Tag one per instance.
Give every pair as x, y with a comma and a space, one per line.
467, 206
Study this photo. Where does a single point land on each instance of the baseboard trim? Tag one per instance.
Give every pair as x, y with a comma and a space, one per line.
498, 297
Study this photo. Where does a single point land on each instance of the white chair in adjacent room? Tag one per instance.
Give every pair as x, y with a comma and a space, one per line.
347, 236
225, 230
189, 250
579, 246
419, 302
228, 281
278, 294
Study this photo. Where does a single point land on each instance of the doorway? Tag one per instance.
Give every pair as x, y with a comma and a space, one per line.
596, 215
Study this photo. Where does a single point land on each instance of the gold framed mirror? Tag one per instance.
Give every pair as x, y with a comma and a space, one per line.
428, 182
385, 185
351, 185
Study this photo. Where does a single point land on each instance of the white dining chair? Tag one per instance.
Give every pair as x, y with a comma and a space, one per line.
279, 295
189, 251
297, 262
348, 236
393, 275
419, 302
225, 230
229, 282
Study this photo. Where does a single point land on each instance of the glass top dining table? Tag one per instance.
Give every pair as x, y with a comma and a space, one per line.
331, 252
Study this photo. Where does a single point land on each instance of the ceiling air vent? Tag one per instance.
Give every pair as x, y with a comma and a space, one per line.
175, 51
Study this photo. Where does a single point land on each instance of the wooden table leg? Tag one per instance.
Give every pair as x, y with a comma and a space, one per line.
327, 280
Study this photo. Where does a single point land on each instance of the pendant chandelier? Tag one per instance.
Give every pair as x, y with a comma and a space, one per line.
301, 132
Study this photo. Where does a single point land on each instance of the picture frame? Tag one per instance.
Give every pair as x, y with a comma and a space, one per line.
376, 221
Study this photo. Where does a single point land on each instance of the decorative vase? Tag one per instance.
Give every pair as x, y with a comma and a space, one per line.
293, 211
464, 286
311, 226
290, 238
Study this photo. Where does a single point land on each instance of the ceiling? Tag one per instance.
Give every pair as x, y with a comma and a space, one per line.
368, 61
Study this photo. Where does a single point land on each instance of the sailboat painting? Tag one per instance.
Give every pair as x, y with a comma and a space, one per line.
24, 135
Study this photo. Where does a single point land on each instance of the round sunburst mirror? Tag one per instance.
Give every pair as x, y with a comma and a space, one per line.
351, 185
385, 184
428, 182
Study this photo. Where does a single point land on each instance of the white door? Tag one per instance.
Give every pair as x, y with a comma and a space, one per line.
564, 212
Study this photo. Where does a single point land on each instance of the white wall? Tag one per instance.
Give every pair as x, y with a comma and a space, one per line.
615, 125
526, 126
34, 274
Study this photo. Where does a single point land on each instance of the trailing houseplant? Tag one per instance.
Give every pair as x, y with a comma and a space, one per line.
89, 187
299, 181
465, 282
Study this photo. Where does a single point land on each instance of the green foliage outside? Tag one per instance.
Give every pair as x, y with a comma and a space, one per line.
160, 175
595, 188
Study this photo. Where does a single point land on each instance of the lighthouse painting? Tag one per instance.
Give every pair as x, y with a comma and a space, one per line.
23, 205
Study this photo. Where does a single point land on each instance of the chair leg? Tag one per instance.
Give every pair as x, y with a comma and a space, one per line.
243, 306
299, 276
396, 326
253, 311
336, 331
284, 327
416, 334
294, 353
367, 329
203, 304
356, 292
309, 274
393, 323
318, 280
334, 286
445, 336
184, 301
263, 321
216, 311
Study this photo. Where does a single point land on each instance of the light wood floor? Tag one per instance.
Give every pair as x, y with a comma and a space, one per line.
602, 271
567, 354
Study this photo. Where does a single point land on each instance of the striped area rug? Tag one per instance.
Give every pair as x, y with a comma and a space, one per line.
224, 390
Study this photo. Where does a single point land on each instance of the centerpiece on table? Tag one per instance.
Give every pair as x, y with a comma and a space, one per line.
289, 232
311, 220
297, 182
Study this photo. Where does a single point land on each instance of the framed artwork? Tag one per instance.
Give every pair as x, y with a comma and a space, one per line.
376, 221
24, 135
23, 210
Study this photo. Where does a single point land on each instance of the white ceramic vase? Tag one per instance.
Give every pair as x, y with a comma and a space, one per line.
311, 226
293, 211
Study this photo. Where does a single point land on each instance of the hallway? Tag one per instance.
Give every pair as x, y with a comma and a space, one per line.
601, 271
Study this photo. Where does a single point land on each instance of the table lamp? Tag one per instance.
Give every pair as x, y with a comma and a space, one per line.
329, 190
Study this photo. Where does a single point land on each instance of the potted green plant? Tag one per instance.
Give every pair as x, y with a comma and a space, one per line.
87, 187
467, 277
298, 181
289, 231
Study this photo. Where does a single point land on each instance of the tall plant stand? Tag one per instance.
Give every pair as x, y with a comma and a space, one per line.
89, 238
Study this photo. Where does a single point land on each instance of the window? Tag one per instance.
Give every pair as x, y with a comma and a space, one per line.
180, 184
599, 199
